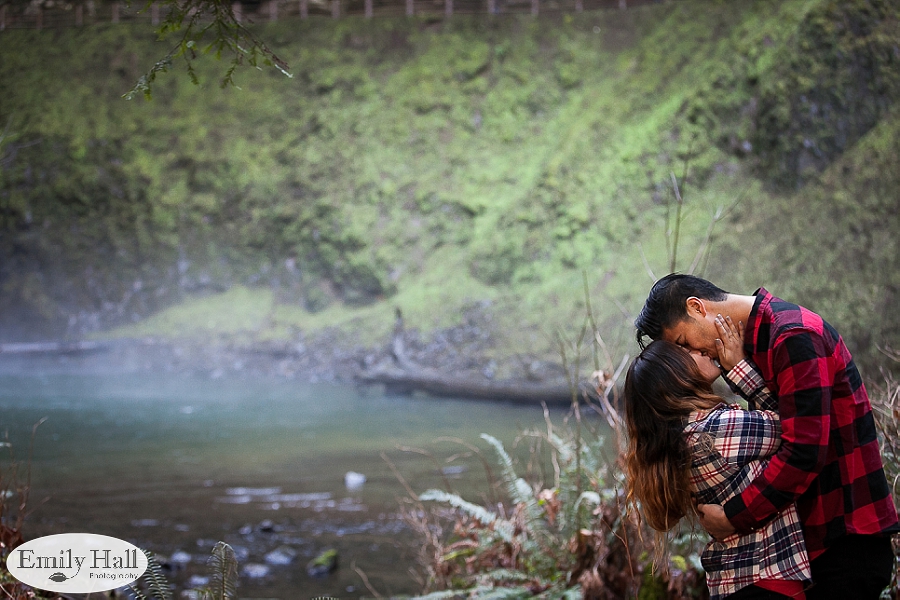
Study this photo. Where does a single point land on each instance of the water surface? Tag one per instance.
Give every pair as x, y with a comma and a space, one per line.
173, 463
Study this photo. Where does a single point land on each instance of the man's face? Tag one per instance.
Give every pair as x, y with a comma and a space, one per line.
697, 332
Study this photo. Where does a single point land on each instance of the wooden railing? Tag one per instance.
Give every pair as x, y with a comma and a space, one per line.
62, 15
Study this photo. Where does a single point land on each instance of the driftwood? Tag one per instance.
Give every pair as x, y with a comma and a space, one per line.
52, 347
404, 376
436, 384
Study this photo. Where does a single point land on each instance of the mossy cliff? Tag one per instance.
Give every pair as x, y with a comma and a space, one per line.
432, 165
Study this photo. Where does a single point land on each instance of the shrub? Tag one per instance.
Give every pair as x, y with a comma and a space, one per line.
574, 537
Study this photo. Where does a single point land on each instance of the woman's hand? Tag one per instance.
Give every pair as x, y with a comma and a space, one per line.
712, 518
730, 343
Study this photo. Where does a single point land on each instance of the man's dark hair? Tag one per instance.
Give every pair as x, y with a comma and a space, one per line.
666, 303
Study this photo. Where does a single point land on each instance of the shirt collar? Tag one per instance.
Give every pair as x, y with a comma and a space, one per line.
763, 297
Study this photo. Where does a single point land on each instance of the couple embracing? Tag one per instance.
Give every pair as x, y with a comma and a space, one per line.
792, 489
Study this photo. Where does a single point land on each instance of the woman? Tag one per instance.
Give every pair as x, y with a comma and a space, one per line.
688, 447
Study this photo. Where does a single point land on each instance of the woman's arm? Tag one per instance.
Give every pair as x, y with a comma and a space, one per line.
742, 436
749, 383
738, 369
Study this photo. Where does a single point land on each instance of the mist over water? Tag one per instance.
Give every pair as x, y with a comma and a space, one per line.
174, 463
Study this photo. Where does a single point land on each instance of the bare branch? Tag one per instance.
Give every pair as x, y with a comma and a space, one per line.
653, 277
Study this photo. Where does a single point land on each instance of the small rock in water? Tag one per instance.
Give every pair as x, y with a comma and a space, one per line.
267, 526
198, 581
255, 571
144, 523
323, 564
283, 555
354, 480
241, 552
180, 557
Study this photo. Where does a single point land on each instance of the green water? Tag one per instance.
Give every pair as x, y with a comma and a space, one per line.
173, 463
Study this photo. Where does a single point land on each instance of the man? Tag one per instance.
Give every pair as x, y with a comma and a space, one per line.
828, 462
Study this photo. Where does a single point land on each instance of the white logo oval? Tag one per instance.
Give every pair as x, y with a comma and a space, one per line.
78, 563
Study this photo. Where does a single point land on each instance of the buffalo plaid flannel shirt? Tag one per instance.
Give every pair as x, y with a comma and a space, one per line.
829, 461
727, 445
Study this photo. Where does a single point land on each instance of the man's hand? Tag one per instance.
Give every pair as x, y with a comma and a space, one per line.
730, 343
713, 519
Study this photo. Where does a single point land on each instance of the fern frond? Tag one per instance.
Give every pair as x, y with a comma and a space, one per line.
223, 573
501, 593
501, 527
507, 470
590, 497
519, 490
156, 581
570, 594
565, 448
442, 595
483, 515
501, 575
138, 594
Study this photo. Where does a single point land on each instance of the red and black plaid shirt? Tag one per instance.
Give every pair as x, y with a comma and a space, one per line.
828, 462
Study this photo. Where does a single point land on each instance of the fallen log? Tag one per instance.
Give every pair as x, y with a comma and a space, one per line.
437, 384
405, 376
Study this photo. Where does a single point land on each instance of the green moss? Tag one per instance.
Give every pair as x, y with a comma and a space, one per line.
240, 310
430, 166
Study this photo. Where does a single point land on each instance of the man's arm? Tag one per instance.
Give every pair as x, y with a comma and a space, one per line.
804, 375
741, 436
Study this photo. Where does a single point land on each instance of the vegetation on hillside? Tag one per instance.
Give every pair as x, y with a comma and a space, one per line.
430, 164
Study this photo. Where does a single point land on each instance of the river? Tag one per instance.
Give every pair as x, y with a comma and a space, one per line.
174, 463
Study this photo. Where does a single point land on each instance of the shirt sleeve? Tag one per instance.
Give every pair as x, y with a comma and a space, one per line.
742, 436
749, 383
804, 378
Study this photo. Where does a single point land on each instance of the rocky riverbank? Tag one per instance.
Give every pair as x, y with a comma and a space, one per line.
469, 352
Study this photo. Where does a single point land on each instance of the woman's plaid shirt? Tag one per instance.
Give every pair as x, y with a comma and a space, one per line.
729, 447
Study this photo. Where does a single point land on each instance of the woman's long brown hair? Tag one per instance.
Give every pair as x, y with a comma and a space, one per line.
662, 387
